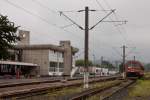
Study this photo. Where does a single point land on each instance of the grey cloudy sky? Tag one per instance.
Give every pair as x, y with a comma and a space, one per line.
105, 40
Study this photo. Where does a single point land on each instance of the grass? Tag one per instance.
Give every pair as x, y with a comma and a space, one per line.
64, 91
103, 85
147, 75
141, 89
72, 90
57, 94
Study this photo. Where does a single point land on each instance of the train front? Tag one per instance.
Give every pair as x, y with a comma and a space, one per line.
134, 69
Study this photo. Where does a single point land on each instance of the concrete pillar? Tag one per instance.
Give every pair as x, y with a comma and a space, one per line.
67, 57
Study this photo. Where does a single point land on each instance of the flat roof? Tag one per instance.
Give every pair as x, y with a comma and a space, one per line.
41, 46
17, 63
44, 46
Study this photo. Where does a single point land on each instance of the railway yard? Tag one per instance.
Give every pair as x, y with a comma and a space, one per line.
48, 53
11, 90
132, 84
100, 88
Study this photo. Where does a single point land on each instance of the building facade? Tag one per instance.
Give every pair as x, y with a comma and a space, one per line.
52, 59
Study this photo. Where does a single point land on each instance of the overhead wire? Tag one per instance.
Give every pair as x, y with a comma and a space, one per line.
102, 19
45, 7
33, 14
119, 30
37, 16
119, 54
122, 26
116, 17
53, 11
59, 12
62, 28
42, 5
97, 1
67, 26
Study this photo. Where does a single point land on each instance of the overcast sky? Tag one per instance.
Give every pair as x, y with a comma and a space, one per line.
42, 19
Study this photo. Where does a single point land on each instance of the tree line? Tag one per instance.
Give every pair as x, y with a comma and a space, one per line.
104, 64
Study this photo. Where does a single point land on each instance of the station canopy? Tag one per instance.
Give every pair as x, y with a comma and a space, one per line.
17, 63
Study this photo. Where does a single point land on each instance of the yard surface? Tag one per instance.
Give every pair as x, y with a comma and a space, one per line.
141, 90
63, 93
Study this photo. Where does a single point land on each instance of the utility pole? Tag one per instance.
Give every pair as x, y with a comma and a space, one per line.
102, 60
124, 55
94, 59
86, 29
86, 47
134, 58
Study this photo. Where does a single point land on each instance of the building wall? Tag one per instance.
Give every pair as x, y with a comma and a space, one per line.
43, 57
40, 57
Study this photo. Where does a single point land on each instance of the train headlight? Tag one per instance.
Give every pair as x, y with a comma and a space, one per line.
129, 67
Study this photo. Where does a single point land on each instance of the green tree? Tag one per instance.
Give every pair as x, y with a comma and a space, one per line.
8, 36
81, 63
107, 64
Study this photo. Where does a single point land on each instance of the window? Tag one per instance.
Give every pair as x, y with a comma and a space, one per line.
133, 65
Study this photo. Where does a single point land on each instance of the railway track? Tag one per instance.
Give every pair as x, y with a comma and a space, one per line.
104, 93
19, 82
22, 90
117, 90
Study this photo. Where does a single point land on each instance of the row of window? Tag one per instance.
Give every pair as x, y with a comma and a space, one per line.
55, 54
133, 65
8, 68
54, 69
56, 66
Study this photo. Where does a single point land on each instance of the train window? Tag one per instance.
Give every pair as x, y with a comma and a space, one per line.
133, 65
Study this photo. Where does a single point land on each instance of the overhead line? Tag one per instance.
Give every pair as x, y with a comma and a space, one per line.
116, 51
67, 26
61, 13
40, 4
102, 19
55, 12
111, 20
114, 14
35, 15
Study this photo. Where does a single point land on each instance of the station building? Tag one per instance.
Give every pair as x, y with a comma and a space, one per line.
51, 59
